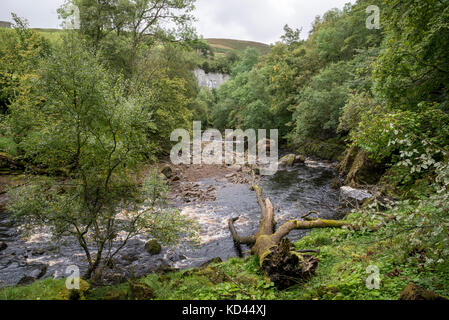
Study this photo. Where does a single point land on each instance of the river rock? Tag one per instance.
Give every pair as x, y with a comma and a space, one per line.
167, 171
353, 197
39, 272
153, 247
3, 246
290, 159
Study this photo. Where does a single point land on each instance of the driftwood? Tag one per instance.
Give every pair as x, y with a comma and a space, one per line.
277, 256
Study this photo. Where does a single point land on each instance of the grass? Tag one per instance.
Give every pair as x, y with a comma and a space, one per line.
341, 275
226, 45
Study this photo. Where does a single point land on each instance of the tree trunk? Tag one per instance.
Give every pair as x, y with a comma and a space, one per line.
277, 256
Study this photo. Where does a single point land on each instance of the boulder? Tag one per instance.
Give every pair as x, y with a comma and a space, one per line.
39, 272
354, 196
287, 161
167, 171
153, 247
300, 159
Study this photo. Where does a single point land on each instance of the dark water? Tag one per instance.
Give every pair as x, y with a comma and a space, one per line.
293, 193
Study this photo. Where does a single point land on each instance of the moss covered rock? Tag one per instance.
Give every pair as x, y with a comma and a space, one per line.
140, 291
153, 247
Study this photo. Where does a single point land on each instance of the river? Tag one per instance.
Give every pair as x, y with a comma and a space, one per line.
293, 192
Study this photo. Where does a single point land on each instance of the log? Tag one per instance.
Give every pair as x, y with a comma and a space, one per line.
277, 256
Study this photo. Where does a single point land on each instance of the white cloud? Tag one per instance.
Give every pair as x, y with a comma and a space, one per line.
257, 20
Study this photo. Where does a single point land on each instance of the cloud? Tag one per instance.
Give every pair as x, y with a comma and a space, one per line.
40, 14
258, 20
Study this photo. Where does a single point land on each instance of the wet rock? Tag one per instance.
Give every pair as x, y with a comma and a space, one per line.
300, 159
140, 291
27, 280
39, 272
153, 247
167, 171
38, 251
3, 246
290, 159
287, 161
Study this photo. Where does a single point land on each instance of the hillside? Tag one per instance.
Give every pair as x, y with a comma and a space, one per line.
226, 45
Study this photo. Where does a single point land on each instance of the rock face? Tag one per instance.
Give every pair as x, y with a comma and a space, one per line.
210, 80
153, 247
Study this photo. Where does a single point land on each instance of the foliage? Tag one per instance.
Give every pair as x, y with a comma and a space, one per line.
97, 137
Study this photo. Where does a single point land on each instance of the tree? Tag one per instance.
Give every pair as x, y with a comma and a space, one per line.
87, 130
291, 37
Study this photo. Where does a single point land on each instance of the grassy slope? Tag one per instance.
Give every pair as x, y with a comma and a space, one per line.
227, 45
344, 258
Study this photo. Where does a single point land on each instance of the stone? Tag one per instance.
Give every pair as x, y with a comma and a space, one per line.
38, 252
358, 195
300, 159
3, 246
140, 291
256, 171
153, 247
167, 171
39, 272
287, 161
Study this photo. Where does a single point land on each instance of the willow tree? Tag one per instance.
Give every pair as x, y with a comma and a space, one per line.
277, 255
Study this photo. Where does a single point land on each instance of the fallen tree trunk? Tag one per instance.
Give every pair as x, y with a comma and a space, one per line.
277, 256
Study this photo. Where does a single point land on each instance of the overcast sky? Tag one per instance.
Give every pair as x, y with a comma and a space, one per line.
257, 20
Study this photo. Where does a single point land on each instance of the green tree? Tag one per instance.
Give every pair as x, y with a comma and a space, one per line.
89, 130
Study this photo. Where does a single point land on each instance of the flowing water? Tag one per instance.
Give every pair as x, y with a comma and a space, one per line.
294, 192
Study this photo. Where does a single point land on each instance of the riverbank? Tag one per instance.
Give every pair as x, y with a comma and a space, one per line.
341, 274
211, 195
